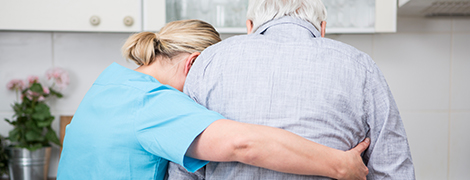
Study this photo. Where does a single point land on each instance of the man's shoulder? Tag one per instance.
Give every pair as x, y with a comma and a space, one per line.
224, 48
230, 42
235, 45
339, 46
254, 40
349, 51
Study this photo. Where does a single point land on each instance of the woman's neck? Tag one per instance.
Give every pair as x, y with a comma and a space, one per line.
153, 70
166, 72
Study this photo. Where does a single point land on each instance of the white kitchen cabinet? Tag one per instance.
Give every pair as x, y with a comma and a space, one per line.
386, 16
361, 16
228, 16
154, 16
344, 16
71, 15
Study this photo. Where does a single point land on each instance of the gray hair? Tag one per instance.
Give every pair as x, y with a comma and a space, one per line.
262, 11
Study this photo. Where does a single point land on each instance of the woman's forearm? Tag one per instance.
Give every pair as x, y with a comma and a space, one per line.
275, 149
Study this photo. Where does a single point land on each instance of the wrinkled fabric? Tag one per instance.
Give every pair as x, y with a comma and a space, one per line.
285, 75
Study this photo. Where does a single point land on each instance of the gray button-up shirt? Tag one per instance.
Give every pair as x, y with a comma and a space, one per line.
285, 75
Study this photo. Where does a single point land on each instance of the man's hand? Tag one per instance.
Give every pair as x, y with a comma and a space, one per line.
354, 168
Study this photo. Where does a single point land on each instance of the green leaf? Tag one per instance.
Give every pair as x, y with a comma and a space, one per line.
56, 93
52, 136
28, 110
41, 112
45, 123
13, 123
26, 103
33, 135
36, 87
31, 124
21, 120
59, 95
34, 147
18, 108
42, 107
14, 135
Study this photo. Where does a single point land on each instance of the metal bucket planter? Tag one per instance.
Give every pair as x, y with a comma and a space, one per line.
29, 165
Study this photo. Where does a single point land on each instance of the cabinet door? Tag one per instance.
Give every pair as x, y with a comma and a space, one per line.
154, 12
361, 16
71, 15
344, 16
386, 16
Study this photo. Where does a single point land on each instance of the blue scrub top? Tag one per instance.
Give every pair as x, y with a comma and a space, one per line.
128, 126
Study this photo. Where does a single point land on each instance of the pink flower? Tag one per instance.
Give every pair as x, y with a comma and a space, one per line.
15, 84
54, 72
60, 77
33, 79
46, 90
31, 95
41, 98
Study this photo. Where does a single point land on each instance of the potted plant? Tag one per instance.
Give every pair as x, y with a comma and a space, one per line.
3, 158
32, 132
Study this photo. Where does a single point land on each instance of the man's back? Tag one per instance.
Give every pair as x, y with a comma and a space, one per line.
285, 76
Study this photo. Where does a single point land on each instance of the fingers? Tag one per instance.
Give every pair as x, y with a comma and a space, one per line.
356, 167
361, 147
366, 172
363, 176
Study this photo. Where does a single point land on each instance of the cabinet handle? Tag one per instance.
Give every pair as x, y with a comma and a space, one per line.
128, 21
95, 20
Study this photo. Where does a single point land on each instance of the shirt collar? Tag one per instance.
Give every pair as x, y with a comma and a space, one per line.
289, 20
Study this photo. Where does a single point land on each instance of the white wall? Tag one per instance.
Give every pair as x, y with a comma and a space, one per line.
83, 55
427, 66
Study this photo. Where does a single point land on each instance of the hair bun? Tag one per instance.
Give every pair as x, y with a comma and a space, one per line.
184, 36
140, 48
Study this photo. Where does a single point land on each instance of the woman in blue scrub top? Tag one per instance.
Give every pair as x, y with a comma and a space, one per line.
132, 122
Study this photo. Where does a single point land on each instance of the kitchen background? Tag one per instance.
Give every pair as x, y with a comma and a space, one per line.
426, 63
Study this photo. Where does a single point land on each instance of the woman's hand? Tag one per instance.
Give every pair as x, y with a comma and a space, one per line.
354, 168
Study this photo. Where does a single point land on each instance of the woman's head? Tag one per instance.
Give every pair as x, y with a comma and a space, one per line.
185, 36
262, 11
175, 47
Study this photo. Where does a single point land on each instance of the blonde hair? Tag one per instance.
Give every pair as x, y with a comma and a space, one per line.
185, 36
262, 11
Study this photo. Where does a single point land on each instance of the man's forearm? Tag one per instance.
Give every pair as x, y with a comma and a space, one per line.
272, 148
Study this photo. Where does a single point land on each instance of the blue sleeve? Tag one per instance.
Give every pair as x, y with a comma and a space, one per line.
169, 122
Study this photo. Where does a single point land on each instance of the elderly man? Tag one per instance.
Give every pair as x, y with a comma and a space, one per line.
285, 75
